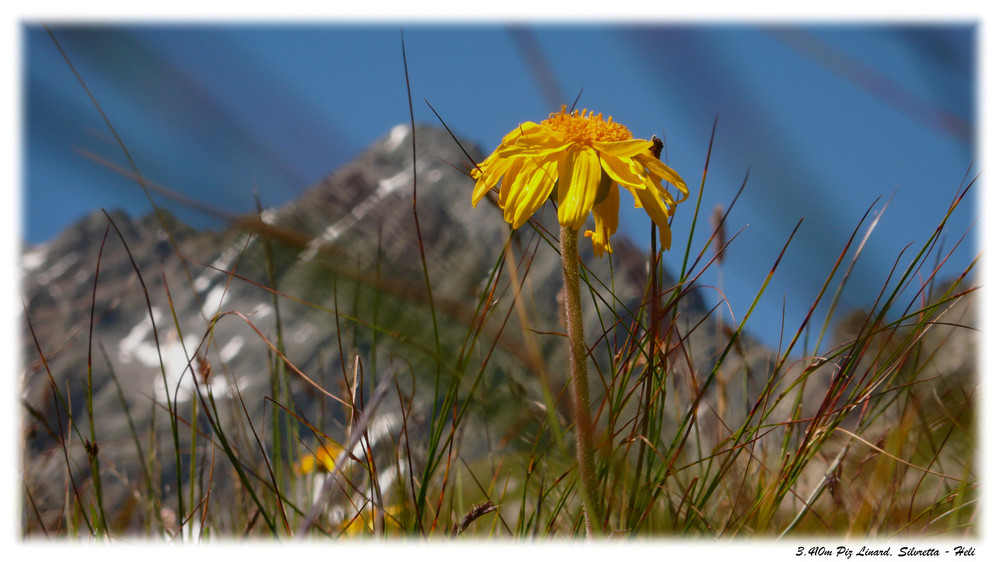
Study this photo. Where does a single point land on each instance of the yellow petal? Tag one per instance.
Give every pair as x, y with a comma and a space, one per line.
525, 128
306, 465
598, 241
654, 186
622, 172
606, 212
658, 212
579, 177
508, 180
489, 173
605, 223
623, 149
664, 172
537, 145
529, 191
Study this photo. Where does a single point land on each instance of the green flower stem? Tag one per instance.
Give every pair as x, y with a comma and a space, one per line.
578, 372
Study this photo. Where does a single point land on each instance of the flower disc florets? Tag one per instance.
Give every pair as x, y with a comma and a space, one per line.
583, 130
580, 157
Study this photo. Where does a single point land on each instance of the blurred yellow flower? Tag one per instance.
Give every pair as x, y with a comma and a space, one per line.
323, 459
361, 525
579, 157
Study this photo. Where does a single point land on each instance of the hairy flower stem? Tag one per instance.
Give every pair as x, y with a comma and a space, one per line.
578, 372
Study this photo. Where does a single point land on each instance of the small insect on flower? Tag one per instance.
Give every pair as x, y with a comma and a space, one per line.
657, 148
579, 157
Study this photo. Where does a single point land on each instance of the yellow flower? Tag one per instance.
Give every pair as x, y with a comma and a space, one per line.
323, 459
361, 525
579, 158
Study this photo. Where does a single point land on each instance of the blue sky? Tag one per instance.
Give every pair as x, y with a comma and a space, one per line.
826, 118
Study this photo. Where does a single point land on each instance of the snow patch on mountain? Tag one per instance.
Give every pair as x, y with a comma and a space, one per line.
203, 282
214, 301
57, 269
221, 264
303, 332
34, 259
268, 216
129, 347
178, 371
175, 362
62, 265
396, 137
231, 349
262, 310
386, 186
138, 346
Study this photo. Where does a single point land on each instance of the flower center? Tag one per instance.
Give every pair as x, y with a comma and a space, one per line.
586, 128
